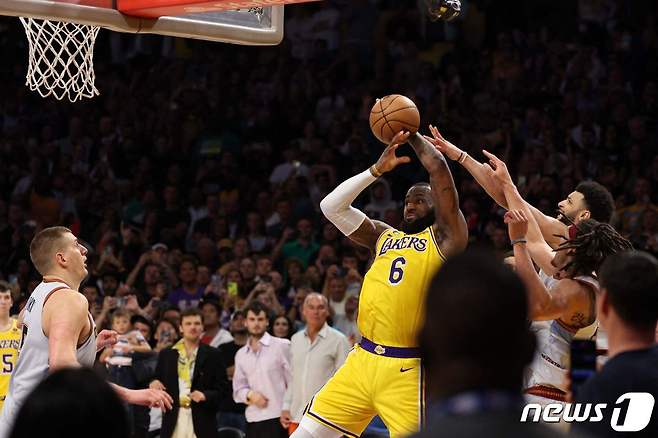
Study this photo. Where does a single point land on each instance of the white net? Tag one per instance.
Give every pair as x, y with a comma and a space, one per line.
61, 60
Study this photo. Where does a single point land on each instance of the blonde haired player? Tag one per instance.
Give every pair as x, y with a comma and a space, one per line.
58, 330
10, 338
383, 374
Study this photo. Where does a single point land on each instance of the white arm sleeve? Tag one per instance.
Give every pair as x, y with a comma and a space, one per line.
337, 205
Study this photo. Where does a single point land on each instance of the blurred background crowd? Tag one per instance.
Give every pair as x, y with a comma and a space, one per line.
195, 177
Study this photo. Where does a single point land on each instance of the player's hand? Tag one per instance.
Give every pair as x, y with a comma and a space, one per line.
156, 384
517, 224
499, 167
285, 419
197, 396
388, 160
444, 146
153, 398
106, 338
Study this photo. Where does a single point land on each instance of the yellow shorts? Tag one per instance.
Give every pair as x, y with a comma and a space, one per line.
368, 385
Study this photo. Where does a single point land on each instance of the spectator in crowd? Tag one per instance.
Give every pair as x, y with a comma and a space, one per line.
48, 410
195, 377
469, 393
262, 375
213, 334
190, 293
282, 327
347, 324
10, 337
143, 326
336, 292
316, 353
627, 308
119, 361
380, 200
165, 334
231, 414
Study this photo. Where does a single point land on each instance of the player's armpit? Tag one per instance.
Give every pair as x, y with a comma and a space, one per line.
64, 318
368, 233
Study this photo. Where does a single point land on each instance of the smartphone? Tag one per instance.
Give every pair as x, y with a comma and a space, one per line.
121, 301
583, 363
216, 280
232, 288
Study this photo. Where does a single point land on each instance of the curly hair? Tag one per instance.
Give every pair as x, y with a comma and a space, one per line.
591, 242
598, 199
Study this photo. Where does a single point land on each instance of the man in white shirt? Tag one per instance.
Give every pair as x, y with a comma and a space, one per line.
316, 353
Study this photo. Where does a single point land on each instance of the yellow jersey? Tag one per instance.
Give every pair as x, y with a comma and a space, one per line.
393, 293
9, 344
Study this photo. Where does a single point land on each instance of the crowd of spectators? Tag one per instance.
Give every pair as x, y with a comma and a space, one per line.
196, 176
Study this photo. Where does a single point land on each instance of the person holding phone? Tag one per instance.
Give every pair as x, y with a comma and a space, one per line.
627, 308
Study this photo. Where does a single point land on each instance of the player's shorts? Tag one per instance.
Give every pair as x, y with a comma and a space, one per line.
374, 380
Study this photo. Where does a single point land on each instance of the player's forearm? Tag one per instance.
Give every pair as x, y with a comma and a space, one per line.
123, 393
432, 160
483, 176
538, 296
516, 202
337, 205
61, 359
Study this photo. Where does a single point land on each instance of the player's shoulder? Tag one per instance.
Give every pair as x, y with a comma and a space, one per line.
70, 299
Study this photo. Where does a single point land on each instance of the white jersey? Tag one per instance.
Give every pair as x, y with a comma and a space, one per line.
32, 365
552, 357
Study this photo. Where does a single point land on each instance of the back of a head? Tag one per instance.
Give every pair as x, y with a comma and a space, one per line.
599, 200
45, 245
631, 282
71, 403
476, 334
592, 243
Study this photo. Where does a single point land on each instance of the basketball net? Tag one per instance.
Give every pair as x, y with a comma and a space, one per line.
61, 58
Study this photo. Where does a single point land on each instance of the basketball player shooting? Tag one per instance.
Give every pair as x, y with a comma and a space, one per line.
58, 330
383, 374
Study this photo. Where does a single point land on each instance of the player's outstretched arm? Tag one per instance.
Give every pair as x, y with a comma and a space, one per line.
540, 251
450, 223
337, 205
483, 174
543, 305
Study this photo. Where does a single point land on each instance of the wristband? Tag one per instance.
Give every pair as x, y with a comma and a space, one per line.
462, 157
373, 170
521, 240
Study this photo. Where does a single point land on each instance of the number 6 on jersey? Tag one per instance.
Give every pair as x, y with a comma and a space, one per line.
395, 276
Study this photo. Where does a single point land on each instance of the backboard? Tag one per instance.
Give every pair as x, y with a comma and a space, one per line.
238, 22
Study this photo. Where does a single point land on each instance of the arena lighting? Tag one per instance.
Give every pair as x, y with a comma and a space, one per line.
445, 10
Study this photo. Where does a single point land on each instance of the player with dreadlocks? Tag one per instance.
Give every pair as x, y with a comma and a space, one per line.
559, 305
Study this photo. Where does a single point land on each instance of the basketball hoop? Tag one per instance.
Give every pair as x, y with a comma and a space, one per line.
61, 58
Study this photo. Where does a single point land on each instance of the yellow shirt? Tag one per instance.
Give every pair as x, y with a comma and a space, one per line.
9, 344
393, 293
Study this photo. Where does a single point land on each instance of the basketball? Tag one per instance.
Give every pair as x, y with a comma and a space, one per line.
392, 114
